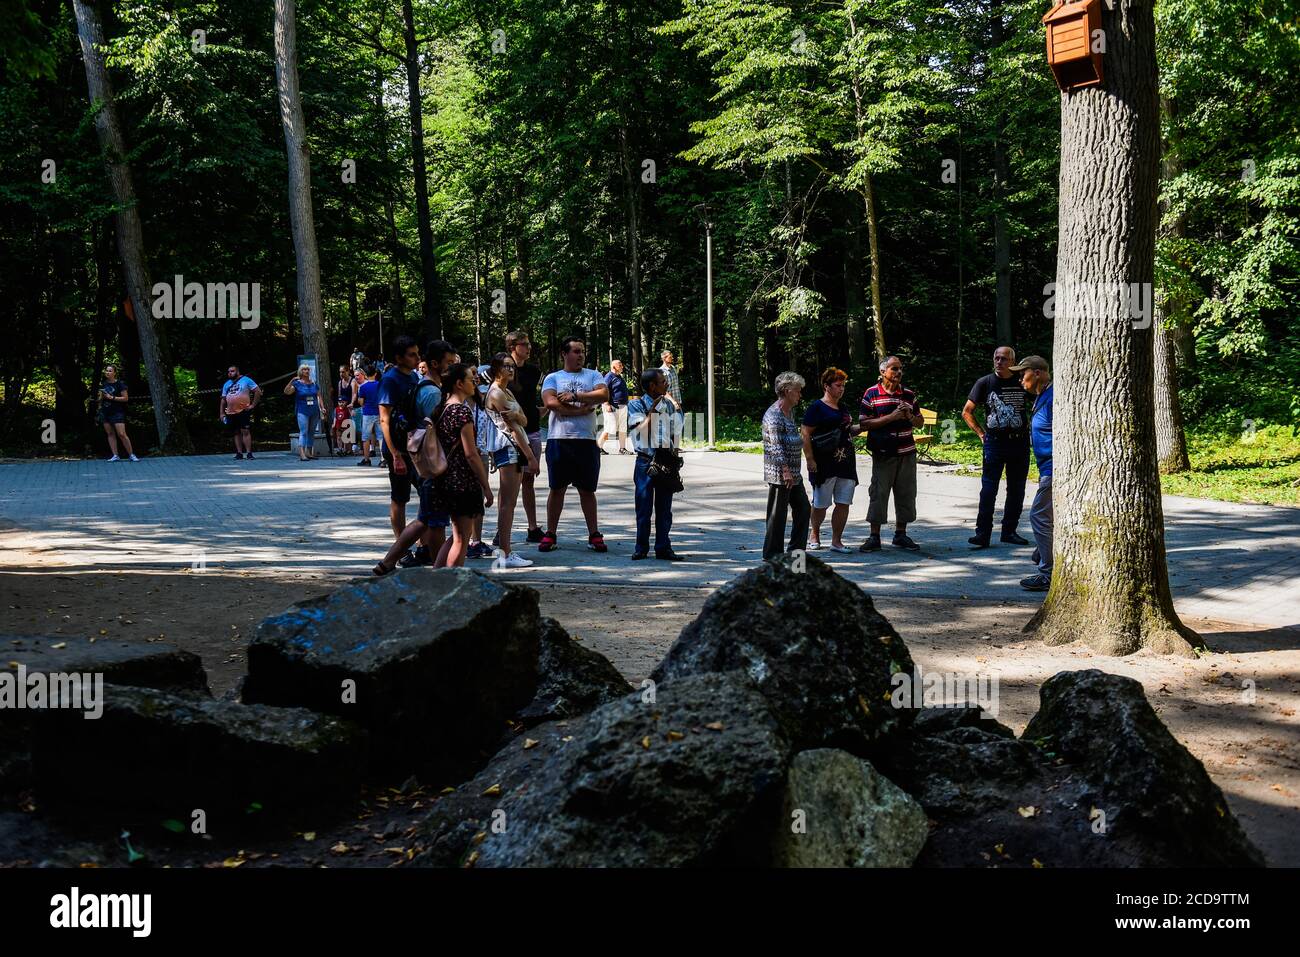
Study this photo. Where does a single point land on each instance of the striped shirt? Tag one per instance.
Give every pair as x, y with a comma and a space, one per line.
895, 438
674, 383
782, 445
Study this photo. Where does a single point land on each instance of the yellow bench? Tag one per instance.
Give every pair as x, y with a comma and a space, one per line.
929, 419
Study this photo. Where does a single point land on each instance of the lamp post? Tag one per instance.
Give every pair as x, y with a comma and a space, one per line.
703, 209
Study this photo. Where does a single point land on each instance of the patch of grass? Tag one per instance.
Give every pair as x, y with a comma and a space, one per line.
1261, 466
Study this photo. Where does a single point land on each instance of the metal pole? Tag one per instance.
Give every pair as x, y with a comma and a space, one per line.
708, 268
381, 333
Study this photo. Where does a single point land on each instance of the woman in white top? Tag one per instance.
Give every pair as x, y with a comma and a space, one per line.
511, 460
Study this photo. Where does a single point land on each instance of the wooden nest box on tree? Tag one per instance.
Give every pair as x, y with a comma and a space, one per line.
1071, 53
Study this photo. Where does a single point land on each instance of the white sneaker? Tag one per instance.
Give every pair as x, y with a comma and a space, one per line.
116, 458
515, 560
133, 458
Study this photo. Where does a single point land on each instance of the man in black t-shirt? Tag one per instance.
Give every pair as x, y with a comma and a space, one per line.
524, 389
1005, 435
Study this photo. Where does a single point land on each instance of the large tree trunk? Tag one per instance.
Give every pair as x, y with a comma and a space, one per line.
853, 305
1001, 235
1110, 585
869, 205
1171, 441
747, 333
428, 266
172, 434
64, 336
103, 315
877, 313
396, 304
640, 347
301, 218
518, 317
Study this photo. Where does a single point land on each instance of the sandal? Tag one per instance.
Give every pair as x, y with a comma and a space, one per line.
596, 543
380, 570
547, 544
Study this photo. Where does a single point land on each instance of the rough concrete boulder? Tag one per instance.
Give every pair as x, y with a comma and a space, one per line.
463, 817
142, 664
432, 662
694, 778
958, 762
155, 664
571, 679
154, 755
810, 641
993, 800
1095, 781
1159, 802
841, 812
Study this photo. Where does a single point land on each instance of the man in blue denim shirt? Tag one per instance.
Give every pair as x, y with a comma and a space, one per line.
1037, 380
653, 425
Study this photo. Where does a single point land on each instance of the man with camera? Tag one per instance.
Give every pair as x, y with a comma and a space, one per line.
889, 413
653, 425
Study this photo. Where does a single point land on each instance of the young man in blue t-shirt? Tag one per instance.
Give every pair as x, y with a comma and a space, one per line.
1036, 377
367, 400
394, 386
239, 397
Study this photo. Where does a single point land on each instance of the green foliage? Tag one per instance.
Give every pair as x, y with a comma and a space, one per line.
563, 139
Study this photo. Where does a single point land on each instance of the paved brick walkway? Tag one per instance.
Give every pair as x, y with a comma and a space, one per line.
1234, 563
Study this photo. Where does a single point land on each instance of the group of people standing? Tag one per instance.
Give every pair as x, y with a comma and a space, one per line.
1016, 399
487, 419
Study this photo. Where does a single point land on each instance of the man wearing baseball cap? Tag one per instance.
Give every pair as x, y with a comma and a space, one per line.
1036, 377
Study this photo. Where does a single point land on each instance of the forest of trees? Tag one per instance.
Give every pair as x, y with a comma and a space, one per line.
880, 175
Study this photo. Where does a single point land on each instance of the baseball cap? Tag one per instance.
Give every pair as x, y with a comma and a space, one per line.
1037, 363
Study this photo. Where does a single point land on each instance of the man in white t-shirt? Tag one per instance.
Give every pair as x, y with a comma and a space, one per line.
239, 396
571, 396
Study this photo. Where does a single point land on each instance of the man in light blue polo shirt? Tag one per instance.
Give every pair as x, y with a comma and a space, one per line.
1037, 380
654, 425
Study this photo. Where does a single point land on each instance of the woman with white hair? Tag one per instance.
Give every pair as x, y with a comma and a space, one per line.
782, 446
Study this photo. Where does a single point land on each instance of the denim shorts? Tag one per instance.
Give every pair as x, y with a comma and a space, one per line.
429, 515
502, 458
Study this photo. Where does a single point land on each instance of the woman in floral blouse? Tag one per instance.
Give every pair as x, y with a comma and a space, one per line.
782, 447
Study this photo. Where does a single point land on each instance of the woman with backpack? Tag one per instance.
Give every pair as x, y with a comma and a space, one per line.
463, 489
